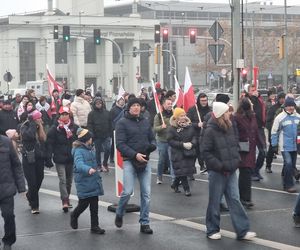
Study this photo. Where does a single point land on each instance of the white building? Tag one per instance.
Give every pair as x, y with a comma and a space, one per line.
27, 44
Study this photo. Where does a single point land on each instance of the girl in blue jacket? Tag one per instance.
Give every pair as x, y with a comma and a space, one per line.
87, 179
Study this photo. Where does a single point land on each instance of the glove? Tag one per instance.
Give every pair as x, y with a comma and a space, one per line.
48, 163
275, 150
187, 145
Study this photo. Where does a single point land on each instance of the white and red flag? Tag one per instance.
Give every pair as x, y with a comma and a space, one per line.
52, 83
179, 94
156, 100
188, 92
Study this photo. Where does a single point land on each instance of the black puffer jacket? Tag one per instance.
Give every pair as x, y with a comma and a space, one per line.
11, 172
220, 148
182, 165
59, 146
133, 135
99, 121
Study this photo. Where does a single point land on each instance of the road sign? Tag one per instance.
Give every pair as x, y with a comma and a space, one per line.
7, 77
216, 30
216, 51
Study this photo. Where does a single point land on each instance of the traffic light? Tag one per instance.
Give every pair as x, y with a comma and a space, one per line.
165, 35
157, 54
55, 32
281, 47
134, 53
66, 33
244, 75
97, 36
157, 33
192, 36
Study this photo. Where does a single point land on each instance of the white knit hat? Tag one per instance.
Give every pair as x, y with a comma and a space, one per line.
219, 108
65, 102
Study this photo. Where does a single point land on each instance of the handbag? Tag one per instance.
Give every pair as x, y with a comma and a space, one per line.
244, 146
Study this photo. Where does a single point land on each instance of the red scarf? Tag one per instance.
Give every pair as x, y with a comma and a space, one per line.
65, 125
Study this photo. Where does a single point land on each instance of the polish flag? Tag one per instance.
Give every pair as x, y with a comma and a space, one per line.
188, 93
156, 100
52, 84
179, 94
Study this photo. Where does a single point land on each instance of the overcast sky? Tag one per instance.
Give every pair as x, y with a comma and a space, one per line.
21, 6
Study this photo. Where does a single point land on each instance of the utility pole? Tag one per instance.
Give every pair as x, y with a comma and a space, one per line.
253, 45
236, 49
285, 54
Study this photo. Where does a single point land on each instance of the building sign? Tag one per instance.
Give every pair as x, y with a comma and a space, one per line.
117, 34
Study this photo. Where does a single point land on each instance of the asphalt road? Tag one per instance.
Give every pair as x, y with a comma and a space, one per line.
178, 221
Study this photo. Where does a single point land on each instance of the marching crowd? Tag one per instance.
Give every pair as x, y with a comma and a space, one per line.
70, 133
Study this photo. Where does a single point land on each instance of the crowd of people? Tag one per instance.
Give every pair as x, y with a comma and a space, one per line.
72, 132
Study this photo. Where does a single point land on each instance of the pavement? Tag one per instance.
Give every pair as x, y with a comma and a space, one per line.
178, 221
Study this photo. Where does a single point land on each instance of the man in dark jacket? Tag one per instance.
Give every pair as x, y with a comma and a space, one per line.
135, 141
99, 124
203, 108
260, 113
8, 118
269, 123
11, 180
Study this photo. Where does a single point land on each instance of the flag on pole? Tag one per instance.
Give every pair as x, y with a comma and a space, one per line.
188, 92
179, 94
121, 92
52, 84
155, 96
92, 90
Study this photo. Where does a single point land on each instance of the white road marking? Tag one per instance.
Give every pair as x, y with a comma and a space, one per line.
190, 224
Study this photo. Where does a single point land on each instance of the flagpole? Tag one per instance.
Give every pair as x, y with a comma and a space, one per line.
198, 112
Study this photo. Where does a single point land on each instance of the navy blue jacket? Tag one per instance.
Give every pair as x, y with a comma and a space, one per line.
133, 135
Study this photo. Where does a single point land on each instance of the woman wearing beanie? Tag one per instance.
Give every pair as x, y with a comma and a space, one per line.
33, 137
221, 155
248, 135
59, 146
183, 141
87, 178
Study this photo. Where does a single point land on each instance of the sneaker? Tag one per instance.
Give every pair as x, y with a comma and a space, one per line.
145, 229
97, 230
119, 221
188, 193
296, 221
176, 190
269, 170
65, 207
260, 176
215, 236
255, 178
159, 180
35, 211
290, 190
73, 221
247, 204
249, 236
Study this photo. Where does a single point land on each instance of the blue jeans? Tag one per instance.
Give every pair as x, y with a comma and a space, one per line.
219, 184
144, 177
102, 144
289, 164
297, 207
163, 157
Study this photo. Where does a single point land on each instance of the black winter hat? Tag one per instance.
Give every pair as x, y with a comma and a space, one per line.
280, 95
132, 101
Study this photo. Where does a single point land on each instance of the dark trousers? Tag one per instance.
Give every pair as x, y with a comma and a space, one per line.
102, 144
261, 151
270, 153
7, 212
184, 182
83, 204
34, 174
245, 183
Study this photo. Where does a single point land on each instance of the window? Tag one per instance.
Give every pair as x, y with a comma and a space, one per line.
61, 52
27, 61
90, 52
